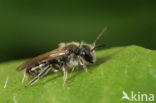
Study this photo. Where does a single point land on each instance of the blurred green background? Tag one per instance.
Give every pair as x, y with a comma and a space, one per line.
29, 28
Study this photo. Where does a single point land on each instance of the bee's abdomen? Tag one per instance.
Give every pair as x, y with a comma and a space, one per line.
37, 69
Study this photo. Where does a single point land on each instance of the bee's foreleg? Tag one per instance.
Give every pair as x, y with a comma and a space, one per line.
65, 74
83, 65
41, 74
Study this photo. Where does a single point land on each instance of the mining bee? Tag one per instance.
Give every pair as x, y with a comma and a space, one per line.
66, 56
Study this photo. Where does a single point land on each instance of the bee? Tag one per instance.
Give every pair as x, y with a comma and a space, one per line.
66, 56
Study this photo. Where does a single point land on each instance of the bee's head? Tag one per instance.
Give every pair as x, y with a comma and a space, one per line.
86, 53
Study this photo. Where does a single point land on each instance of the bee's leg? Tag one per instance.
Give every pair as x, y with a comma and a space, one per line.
46, 72
24, 76
72, 70
55, 68
65, 74
41, 74
83, 65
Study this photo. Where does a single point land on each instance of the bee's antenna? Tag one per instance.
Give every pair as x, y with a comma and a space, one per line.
98, 46
100, 35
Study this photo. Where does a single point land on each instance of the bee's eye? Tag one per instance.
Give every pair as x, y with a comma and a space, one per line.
83, 53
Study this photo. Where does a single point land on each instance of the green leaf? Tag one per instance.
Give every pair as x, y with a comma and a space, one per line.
118, 69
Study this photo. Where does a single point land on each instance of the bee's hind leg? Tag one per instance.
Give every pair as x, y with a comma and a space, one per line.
24, 76
41, 74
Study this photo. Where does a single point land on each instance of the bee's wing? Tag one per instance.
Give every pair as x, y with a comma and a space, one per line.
54, 54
